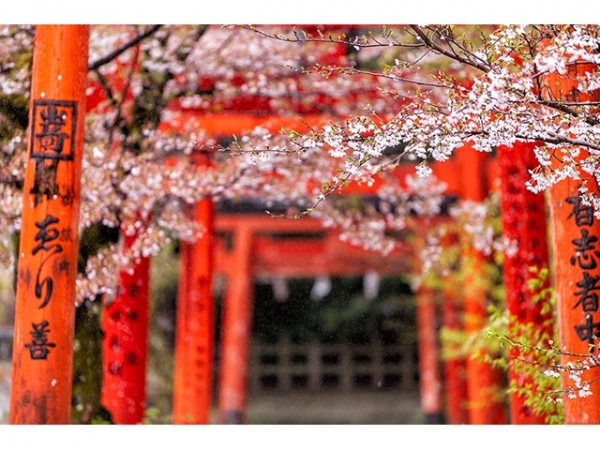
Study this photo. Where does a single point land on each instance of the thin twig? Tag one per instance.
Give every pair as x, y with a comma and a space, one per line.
112, 55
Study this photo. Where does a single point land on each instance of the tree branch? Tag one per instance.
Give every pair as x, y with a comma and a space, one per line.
301, 37
108, 58
450, 54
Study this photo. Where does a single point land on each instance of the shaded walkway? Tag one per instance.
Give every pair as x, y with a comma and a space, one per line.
379, 407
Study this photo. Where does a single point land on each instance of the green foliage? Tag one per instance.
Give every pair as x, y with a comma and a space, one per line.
531, 353
14, 112
153, 416
100, 420
527, 350
163, 296
87, 366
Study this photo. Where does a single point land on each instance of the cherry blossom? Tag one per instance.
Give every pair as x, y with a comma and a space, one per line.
385, 96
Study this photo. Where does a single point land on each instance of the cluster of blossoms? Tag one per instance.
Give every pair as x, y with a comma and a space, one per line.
363, 123
370, 102
510, 96
573, 370
475, 220
144, 177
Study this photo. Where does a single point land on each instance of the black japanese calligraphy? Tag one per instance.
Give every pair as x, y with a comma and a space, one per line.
584, 214
590, 331
52, 141
587, 299
66, 234
47, 234
585, 250
39, 347
584, 257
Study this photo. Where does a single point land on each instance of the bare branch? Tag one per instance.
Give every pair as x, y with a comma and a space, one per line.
123, 48
450, 54
330, 39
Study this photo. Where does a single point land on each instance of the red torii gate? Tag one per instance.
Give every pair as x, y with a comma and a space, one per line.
191, 350
483, 381
256, 252
234, 356
485, 415
309, 258
231, 410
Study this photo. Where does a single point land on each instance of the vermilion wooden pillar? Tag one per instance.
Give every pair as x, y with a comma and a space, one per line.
192, 390
484, 383
455, 369
125, 320
429, 361
524, 225
576, 250
42, 361
236, 332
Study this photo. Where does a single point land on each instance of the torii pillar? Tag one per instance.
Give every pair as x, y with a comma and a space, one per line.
484, 383
192, 386
576, 250
523, 215
42, 367
454, 366
236, 331
429, 358
125, 324
451, 312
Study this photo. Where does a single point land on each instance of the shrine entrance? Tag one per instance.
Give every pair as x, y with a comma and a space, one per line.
333, 334
329, 321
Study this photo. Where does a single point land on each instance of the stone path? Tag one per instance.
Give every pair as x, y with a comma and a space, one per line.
380, 407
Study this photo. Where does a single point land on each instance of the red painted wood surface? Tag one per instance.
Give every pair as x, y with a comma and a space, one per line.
575, 234
454, 367
451, 315
238, 123
192, 388
235, 336
523, 215
319, 251
125, 320
430, 382
42, 361
484, 383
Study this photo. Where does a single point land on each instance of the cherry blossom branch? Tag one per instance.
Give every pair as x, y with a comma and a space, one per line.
302, 36
123, 48
450, 54
328, 70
